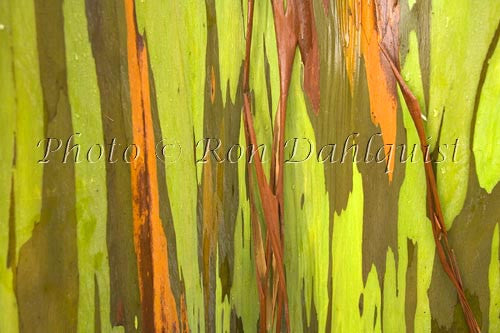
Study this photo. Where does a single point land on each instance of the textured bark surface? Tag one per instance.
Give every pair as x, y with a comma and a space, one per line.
194, 237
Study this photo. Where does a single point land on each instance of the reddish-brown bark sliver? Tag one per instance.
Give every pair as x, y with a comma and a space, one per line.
295, 27
444, 251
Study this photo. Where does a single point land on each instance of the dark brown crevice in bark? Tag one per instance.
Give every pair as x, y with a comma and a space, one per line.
106, 28
11, 250
47, 272
11, 246
97, 307
484, 70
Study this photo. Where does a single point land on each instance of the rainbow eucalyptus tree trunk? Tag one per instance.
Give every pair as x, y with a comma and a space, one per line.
255, 165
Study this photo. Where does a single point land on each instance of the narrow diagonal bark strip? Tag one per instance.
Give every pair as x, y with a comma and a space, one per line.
159, 311
260, 260
445, 253
268, 199
294, 28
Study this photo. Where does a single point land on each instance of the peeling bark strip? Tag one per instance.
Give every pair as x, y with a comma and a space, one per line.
268, 198
159, 311
294, 27
445, 253
380, 36
349, 21
379, 23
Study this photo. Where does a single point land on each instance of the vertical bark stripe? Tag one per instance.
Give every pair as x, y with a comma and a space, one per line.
381, 86
159, 312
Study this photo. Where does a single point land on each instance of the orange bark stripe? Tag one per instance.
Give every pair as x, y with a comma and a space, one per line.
212, 85
159, 311
381, 86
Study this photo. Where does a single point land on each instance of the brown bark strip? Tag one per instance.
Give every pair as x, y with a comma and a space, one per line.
211, 218
108, 40
11, 248
268, 199
349, 16
445, 253
260, 262
294, 27
46, 276
159, 310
